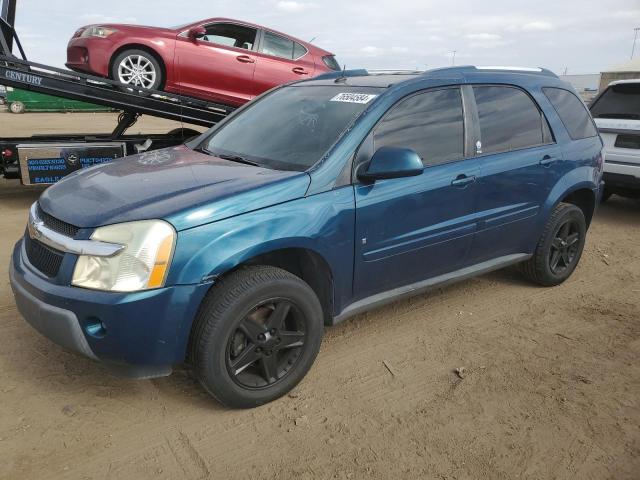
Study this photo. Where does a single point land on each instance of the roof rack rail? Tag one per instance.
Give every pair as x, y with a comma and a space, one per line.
494, 68
390, 71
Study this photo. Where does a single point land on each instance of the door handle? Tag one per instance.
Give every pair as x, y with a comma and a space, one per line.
547, 160
462, 180
245, 59
299, 71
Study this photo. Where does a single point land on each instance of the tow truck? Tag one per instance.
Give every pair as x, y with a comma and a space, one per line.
44, 159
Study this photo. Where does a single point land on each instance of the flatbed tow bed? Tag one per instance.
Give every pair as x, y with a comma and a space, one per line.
44, 159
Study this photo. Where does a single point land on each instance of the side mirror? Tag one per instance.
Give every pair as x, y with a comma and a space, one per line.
197, 32
391, 162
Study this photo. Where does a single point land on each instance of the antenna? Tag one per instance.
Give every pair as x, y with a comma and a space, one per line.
343, 77
311, 41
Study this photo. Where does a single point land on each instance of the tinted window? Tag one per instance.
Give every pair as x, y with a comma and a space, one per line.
298, 51
430, 123
572, 112
331, 62
509, 119
277, 46
291, 128
230, 35
618, 101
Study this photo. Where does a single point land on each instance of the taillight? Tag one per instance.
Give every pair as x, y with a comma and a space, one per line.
7, 152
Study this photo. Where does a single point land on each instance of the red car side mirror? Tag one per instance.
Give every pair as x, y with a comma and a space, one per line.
197, 32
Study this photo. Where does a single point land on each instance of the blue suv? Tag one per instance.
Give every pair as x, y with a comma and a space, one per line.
315, 202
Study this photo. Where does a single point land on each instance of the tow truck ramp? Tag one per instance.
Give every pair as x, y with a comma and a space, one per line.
44, 159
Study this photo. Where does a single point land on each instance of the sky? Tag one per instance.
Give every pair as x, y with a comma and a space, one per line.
572, 36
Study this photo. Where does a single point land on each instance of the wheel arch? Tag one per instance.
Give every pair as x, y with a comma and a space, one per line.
583, 198
577, 187
143, 47
303, 262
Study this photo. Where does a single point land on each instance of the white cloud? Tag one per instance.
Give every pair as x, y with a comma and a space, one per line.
626, 14
293, 6
484, 36
537, 26
92, 18
371, 51
485, 40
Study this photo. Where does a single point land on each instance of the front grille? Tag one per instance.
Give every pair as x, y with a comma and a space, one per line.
56, 225
43, 258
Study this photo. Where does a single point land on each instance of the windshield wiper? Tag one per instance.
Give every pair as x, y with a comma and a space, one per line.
237, 158
202, 150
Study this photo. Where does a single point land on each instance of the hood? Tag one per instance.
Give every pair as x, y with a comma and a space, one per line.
184, 187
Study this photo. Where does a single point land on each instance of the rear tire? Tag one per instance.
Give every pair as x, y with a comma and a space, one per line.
138, 68
256, 336
17, 107
559, 248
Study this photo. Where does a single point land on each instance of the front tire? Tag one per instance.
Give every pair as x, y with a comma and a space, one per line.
138, 68
256, 336
559, 248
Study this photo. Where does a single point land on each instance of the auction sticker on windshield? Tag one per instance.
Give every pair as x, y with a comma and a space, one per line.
353, 97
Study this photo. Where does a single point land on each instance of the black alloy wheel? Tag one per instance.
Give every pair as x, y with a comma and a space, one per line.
564, 247
266, 344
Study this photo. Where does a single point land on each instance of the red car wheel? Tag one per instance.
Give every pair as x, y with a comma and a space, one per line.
138, 68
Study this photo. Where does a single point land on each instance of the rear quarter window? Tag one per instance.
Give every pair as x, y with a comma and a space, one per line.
572, 112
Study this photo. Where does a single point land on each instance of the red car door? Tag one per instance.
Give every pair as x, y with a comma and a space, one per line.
280, 60
218, 66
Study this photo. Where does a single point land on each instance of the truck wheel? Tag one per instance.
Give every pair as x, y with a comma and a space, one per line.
138, 68
256, 336
559, 248
16, 107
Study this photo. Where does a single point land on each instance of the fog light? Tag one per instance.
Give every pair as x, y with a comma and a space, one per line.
95, 328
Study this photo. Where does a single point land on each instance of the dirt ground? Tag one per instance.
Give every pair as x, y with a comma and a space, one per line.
551, 388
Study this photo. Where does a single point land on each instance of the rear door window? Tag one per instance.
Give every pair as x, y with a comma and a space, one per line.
509, 119
572, 112
278, 46
430, 123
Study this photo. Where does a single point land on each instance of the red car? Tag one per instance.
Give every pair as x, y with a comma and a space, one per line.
219, 59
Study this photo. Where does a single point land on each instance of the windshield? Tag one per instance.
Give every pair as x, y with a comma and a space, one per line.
291, 128
619, 101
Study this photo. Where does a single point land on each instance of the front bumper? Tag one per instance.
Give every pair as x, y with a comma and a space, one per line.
91, 55
139, 335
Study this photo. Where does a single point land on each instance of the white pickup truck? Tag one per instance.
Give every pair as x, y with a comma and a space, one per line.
617, 114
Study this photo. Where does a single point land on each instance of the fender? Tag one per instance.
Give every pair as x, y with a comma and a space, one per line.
322, 223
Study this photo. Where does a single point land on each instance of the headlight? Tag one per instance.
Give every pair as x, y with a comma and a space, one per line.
141, 265
102, 32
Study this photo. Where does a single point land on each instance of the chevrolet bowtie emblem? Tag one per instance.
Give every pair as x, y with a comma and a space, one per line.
34, 231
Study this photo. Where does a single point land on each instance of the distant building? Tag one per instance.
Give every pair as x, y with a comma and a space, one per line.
586, 85
626, 71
